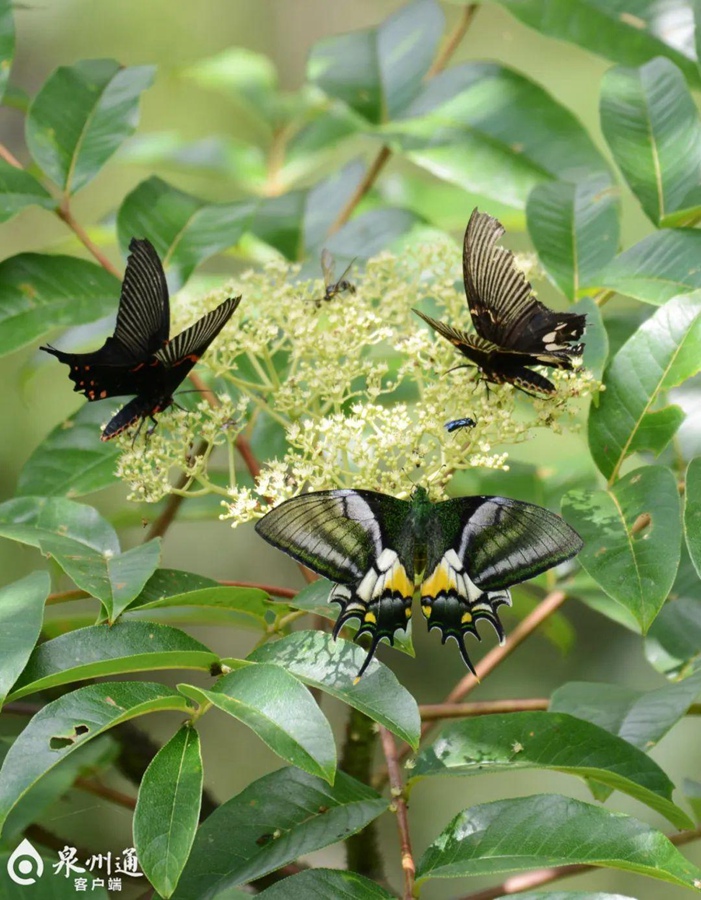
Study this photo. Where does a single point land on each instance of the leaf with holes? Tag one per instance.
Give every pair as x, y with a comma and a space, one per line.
661, 354
102, 650
65, 724
168, 809
653, 129
80, 117
554, 741
632, 539
279, 818
575, 229
546, 831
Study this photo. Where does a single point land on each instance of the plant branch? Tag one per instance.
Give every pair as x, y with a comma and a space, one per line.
452, 42
389, 748
437, 711
95, 787
363, 848
384, 154
64, 213
9, 157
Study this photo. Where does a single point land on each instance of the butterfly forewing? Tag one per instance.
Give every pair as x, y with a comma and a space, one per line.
143, 318
191, 344
363, 541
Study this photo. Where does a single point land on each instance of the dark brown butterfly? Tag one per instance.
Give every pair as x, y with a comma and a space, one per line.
514, 330
139, 358
333, 286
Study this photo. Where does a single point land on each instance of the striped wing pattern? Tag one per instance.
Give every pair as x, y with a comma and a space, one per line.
355, 539
501, 302
143, 318
192, 343
477, 548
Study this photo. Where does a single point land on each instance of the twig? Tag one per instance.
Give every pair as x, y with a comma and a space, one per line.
63, 596
452, 42
436, 711
389, 748
529, 880
377, 165
20, 708
546, 608
64, 213
8, 157
92, 786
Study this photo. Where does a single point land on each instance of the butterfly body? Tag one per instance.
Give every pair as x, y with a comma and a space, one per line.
139, 358
469, 551
514, 330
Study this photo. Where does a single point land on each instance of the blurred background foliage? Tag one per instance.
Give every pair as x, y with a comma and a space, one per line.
210, 141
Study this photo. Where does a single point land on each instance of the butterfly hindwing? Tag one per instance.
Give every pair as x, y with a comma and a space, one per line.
189, 345
450, 600
363, 541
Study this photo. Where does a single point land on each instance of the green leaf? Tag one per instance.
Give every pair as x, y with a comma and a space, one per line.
185, 230
568, 895
71, 461
549, 830
30, 520
652, 127
280, 710
254, 607
7, 43
640, 717
168, 809
657, 268
616, 29
367, 234
39, 293
21, 615
320, 884
67, 723
275, 820
80, 117
673, 644
378, 72
492, 131
331, 666
103, 650
166, 583
661, 354
114, 578
249, 77
19, 189
575, 229
596, 346
554, 741
632, 539
692, 512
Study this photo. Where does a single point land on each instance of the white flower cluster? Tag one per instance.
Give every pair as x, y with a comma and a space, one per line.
353, 392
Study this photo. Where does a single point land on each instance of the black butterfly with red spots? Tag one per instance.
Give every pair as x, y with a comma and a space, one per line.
139, 358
